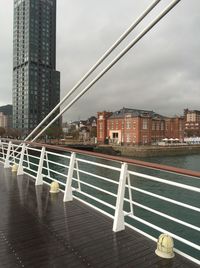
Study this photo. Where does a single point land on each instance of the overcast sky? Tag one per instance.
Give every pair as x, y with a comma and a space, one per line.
161, 73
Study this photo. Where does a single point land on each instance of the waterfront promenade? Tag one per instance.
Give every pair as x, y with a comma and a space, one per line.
38, 230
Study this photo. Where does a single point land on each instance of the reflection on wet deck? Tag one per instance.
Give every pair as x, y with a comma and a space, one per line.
38, 230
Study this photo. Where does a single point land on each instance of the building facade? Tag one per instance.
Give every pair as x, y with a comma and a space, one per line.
137, 127
36, 83
192, 123
102, 122
175, 127
7, 111
3, 120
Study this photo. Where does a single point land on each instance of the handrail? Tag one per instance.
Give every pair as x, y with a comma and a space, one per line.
119, 159
115, 189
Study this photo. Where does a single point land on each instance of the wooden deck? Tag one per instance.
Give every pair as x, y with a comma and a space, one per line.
38, 230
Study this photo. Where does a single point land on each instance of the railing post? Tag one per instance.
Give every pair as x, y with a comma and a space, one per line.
39, 178
20, 170
68, 188
118, 224
7, 164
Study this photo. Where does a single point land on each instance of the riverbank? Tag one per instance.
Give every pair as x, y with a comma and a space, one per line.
149, 151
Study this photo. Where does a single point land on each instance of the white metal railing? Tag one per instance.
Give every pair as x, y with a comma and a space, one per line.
119, 188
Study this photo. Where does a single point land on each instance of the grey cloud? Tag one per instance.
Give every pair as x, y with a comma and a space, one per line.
161, 73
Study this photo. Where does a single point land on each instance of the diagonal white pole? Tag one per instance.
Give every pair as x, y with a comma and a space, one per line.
118, 223
113, 62
94, 67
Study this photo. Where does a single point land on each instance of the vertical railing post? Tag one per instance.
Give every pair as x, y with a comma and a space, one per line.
39, 178
68, 188
130, 195
20, 170
118, 224
7, 163
78, 176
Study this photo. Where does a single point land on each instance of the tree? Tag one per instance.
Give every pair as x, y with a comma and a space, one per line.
13, 133
93, 132
54, 132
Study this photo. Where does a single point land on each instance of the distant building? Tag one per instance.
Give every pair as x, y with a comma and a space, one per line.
192, 122
3, 120
174, 127
83, 130
134, 126
36, 83
6, 110
102, 121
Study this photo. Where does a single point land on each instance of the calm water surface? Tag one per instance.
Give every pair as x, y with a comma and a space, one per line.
184, 161
191, 162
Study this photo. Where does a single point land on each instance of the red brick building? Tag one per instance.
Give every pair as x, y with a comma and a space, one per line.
102, 118
133, 126
174, 128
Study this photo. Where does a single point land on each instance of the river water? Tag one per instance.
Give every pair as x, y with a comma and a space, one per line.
191, 162
184, 161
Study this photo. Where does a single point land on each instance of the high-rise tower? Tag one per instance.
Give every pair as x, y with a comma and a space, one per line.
36, 83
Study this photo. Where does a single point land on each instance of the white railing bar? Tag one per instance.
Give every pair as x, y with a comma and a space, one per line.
11, 161
56, 163
35, 157
77, 174
52, 179
130, 194
185, 241
155, 240
26, 161
32, 176
165, 199
32, 170
98, 164
187, 256
164, 215
27, 156
97, 176
128, 213
56, 172
14, 157
94, 207
46, 158
96, 199
167, 171
59, 155
95, 187
31, 163
31, 148
16, 146
177, 184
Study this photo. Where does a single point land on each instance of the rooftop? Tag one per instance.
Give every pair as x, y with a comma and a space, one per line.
135, 113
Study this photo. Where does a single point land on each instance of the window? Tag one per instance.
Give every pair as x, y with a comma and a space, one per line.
144, 124
128, 124
127, 137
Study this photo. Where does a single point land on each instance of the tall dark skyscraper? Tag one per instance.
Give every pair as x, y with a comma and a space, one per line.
36, 83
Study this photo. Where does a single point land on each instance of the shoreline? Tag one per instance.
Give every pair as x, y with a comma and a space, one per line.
149, 151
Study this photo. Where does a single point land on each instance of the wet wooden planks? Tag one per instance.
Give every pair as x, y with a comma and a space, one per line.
39, 230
